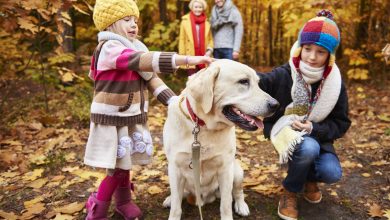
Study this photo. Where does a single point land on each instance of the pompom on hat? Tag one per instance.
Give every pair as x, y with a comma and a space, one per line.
107, 12
322, 31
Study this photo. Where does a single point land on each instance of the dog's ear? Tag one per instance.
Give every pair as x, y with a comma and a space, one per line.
201, 87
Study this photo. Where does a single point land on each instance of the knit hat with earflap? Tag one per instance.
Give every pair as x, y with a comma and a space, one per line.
107, 12
322, 31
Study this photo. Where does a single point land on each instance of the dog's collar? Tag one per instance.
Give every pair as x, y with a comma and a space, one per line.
194, 117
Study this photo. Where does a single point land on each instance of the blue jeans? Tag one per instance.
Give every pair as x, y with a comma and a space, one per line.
223, 53
310, 164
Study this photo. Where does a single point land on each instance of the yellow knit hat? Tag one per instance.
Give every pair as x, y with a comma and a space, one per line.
107, 12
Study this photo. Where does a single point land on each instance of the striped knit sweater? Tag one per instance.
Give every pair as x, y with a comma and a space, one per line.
123, 75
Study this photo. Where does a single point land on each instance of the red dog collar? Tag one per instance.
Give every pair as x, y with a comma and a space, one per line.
194, 117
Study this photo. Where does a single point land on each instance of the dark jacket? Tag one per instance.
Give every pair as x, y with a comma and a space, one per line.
278, 84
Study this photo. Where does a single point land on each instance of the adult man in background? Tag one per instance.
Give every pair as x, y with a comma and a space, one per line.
227, 29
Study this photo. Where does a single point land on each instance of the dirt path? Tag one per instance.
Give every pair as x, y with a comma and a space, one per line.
42, 170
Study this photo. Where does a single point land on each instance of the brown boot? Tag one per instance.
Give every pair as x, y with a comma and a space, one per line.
312, 193
287, 208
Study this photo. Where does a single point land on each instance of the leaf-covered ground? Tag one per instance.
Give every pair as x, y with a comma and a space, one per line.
42, 175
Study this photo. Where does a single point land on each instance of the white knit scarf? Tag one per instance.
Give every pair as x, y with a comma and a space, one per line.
311, 74
283, 137
135, 44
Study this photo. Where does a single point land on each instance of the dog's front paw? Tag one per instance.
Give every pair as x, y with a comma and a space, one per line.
167, 202
241, 208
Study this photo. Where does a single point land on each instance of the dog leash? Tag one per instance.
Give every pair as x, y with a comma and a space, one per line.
195, 147
196, 165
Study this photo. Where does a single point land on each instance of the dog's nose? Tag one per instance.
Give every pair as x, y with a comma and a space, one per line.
273, 105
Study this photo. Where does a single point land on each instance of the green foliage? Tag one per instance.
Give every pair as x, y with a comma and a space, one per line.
357, 64
161, 37
61, 58
387, 131
79, 102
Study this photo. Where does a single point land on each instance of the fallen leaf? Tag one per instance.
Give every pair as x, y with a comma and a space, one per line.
37, 184
244, 136
250, 182
73, 181
151, 172
261, 138
8, 157
387, 213
51, 214
45, 132
10, 174
35, 209
154, 190
244, 165
366, 174
57, 178
375, 211
70, 157
71, 208
164, 179
33, 175
8, 215
380, 163
10, 142
36, 126
30, 203
55, 181
59, 216
348, 164
333, 193
38, 159
69, 169
267, 189
86, 174
384, 117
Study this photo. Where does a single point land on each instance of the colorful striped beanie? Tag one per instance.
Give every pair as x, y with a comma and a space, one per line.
322, 31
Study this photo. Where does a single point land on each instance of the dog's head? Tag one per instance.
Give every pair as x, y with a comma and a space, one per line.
227, 92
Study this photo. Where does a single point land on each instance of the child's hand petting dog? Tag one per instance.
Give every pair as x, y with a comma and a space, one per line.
193, 60
302, 126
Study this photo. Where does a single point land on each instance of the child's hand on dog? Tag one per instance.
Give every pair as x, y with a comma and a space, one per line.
193, 60
302, 126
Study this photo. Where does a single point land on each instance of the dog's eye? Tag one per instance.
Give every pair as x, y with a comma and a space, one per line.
244, 82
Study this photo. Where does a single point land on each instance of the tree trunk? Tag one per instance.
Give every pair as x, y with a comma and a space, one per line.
68, 33
162, 4
179, 9
271, 61
361, 30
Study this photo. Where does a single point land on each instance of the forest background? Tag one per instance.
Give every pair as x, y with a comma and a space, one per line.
45, 96
50, 42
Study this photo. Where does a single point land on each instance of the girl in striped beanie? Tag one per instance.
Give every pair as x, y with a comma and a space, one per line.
313, 112
123, 71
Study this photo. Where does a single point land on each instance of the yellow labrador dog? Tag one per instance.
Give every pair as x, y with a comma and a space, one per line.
221, 96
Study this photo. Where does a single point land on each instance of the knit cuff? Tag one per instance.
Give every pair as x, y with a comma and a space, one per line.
164, 96
165, 62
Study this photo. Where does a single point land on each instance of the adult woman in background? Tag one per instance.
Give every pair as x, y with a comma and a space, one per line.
195, 35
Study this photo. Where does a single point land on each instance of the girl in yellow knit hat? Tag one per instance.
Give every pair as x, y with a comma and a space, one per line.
123, 72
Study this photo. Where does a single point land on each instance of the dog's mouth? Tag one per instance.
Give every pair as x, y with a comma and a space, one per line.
242, 120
